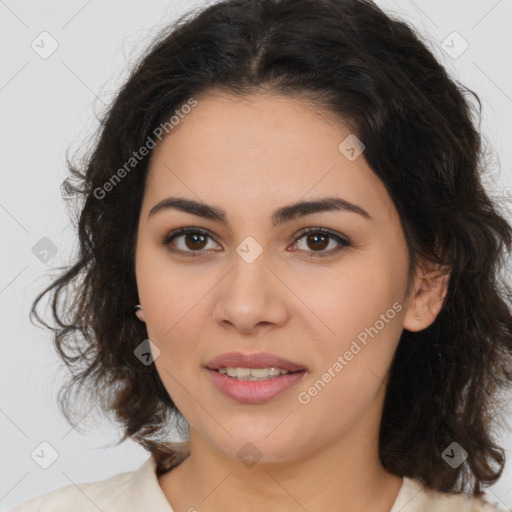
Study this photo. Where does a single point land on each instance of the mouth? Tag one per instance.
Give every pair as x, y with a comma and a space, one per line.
258, 365
253, 378
254, 373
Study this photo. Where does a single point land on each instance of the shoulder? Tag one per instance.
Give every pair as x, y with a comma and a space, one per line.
109, 495
82, 497
415, 497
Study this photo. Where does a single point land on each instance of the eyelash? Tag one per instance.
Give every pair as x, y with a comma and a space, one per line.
343, 242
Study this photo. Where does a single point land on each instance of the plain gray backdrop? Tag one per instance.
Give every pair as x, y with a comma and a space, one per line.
62, 61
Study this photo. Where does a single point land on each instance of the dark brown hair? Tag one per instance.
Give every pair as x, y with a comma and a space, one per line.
418, 127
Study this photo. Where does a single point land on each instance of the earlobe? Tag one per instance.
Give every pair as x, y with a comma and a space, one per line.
431, 289
139, 313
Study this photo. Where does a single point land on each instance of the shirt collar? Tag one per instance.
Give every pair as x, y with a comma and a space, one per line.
146, 493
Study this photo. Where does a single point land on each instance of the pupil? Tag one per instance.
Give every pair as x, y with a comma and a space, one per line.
315, 238
195, 237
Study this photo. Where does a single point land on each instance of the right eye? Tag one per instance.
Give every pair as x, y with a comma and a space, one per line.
193, 240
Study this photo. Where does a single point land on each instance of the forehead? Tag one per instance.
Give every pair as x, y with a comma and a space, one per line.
264, 125
262, 150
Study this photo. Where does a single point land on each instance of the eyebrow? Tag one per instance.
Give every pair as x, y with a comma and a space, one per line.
280, 216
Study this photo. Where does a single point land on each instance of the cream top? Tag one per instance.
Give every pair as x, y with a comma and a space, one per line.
139, 491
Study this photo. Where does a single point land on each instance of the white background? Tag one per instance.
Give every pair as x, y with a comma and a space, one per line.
48, 106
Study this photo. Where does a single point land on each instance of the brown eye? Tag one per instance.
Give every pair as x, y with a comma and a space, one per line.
191, 242
194, 241
187, 241
317, 240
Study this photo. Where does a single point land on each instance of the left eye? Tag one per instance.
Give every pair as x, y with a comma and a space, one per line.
319, 239
193, 240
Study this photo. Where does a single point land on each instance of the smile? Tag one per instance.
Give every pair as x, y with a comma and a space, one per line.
253, 373
249, 389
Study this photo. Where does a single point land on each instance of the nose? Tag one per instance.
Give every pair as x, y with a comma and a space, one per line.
251, 297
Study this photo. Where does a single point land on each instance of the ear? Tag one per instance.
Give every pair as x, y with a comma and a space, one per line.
140, 315
427, 297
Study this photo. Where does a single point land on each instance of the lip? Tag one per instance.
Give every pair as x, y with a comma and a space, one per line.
253, 391
255, 360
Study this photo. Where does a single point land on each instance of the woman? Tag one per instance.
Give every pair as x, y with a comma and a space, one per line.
289, 193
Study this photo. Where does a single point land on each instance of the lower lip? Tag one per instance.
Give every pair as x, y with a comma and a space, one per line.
254, 391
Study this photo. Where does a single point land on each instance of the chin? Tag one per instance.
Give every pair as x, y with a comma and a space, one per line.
261, 444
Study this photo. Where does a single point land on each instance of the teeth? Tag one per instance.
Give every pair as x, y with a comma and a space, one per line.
242, 372
231, 372
252, 373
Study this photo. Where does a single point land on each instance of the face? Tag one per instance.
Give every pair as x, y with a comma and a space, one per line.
332, 302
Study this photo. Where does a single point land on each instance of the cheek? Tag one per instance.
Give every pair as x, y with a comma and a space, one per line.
354, 298
349, 380
170, 292
363, 312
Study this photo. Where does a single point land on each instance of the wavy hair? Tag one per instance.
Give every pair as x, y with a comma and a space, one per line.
377, 74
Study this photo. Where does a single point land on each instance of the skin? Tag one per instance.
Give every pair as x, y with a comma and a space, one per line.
249, 156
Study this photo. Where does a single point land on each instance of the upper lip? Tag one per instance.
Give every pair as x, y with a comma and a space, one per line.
254, 360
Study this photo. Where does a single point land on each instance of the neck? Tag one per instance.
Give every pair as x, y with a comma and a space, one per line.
345, 474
